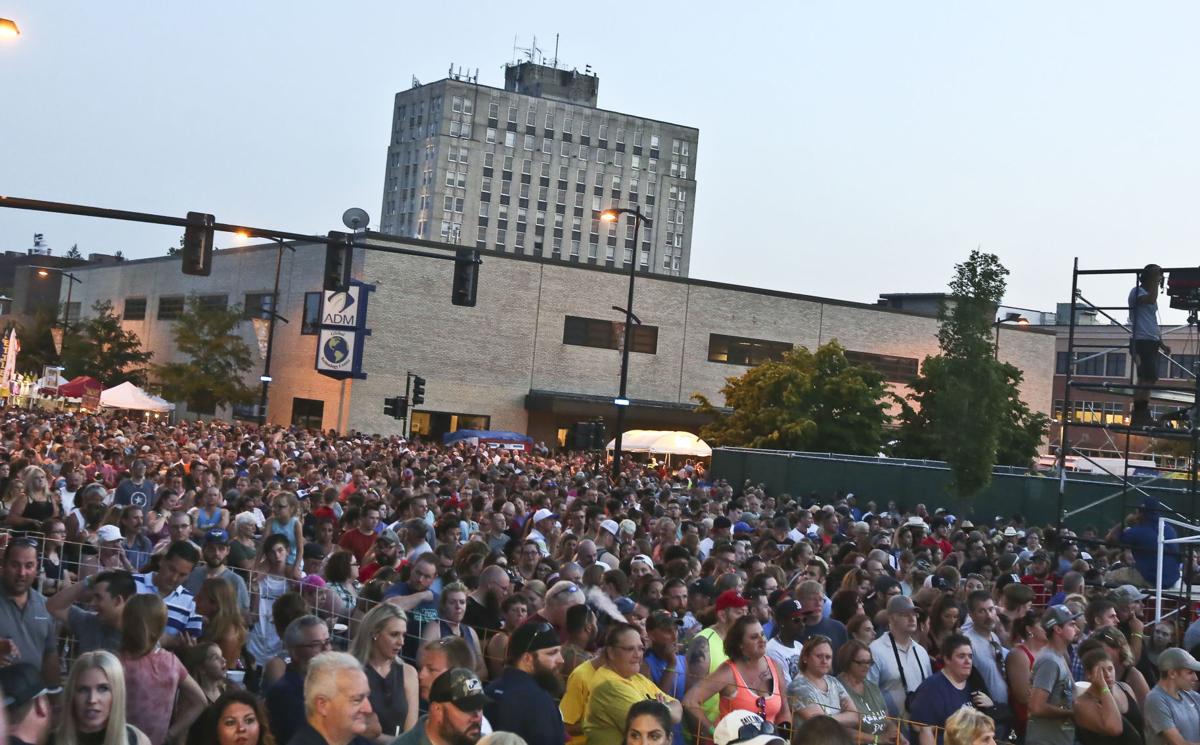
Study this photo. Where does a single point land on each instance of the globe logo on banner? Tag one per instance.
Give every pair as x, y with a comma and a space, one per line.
336, 350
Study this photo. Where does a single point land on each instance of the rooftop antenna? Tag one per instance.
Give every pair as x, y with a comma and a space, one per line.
556, 51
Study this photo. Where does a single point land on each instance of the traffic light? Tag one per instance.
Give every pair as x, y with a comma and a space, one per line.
396, 408
466, 277
339, 258
598, 435
198, 244
418, 390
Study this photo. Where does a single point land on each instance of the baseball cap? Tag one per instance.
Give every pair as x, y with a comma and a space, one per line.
534, 636
611, 526
731, 599
741, 727
642, 559
460, 687
1057, 615
742, 527
543, 514
703, 586
1128, 594
1173, 658
787, 609
628, 526
218, 535
388, 536
900, 604
313, 551
661, 619
108, 533
22, 683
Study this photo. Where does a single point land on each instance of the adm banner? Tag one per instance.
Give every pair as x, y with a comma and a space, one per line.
343, 332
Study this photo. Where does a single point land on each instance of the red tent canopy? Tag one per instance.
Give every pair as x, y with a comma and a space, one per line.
80, 387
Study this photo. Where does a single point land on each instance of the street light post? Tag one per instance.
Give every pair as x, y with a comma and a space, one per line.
45, 271
265, 378
622, 400
1016, 318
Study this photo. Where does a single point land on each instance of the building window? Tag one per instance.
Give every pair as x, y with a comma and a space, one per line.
258, 305
893, 369
170, 308
596, 332
213, 302
1092, 412
308, 412
736, 350
312, 314
135, 309
1110, 364
437, 423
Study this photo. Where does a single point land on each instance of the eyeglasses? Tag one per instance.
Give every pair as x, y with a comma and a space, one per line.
748, 732
320, 644
866, 661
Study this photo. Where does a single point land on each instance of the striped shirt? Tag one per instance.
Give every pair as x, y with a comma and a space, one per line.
181, 606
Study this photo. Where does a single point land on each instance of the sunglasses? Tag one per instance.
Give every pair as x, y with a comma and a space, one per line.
748, 732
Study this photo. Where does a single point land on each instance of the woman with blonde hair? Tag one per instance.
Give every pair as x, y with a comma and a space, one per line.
393, 682
224, 624
154, 676
94, 704
36, 502
969, 726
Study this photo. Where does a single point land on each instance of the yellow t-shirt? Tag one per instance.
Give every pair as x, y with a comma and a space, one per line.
608, 706
574, 701
716, 658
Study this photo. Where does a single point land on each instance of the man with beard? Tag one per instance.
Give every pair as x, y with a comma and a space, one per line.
214, 554
483, 605
524, 696
456, 701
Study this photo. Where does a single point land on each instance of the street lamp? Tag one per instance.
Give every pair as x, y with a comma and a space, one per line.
622, 399
9, 28
1016, 318
46, 271
265, 378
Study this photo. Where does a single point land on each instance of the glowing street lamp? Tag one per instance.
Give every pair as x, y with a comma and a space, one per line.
9, 28
1016, 318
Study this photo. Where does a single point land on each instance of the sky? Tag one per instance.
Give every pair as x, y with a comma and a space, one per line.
846, 149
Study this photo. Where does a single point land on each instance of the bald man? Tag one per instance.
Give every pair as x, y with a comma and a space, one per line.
483, 605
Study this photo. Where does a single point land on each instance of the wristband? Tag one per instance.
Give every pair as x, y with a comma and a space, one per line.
1137, 635
1105, 690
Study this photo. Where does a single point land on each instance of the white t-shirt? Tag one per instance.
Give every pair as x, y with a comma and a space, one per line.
786, 658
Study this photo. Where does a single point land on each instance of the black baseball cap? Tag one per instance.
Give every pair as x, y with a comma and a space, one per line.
661, 619
532, 637
460, 687
22, 682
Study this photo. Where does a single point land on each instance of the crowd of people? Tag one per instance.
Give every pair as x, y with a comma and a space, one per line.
209, 582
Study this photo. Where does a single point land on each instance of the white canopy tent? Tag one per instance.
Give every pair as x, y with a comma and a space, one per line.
129, 396
664, 442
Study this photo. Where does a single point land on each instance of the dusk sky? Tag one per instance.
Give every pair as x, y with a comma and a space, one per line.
846, 149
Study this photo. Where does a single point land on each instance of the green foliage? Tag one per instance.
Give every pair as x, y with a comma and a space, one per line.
37, 345
74, 252
217, 359
970, 412
175, 250
98, 346
806, 401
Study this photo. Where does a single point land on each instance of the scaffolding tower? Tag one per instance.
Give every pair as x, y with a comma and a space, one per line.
1185, 428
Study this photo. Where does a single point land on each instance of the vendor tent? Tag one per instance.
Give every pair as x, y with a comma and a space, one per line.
666, 442
129, 396
79, 387
49, 384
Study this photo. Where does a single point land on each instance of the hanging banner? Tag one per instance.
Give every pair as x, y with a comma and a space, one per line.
11, 347
343, 332
262, 329
56, 333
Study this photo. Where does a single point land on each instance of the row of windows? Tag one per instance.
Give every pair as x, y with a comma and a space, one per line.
170, 307
1113, 365
1092, 412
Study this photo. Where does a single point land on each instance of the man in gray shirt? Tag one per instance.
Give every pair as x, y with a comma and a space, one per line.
1052, 692
1145, 339
27, 631
1173, 706
99, 628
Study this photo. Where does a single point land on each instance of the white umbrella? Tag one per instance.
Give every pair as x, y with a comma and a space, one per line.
662, 441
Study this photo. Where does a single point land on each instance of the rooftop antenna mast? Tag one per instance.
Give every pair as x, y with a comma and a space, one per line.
531, 51
556, 51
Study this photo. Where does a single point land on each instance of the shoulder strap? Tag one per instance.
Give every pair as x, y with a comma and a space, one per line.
899, 664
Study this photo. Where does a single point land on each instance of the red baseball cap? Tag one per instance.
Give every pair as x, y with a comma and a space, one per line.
731, 599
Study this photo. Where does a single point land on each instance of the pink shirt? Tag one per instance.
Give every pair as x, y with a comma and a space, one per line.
151, 684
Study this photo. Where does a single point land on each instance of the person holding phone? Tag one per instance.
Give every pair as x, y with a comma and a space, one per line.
942, 694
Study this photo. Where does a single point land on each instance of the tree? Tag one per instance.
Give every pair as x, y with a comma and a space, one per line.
966, 397
805, 401
119, 255
74, 252
98, 346
37, 344
175, 250
217, 359
1021, 429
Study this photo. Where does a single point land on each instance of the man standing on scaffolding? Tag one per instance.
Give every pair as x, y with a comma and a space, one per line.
1145, 340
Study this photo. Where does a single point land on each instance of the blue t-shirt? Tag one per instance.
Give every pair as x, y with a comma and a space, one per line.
658, 666
424, 613
936, 700
1143, 539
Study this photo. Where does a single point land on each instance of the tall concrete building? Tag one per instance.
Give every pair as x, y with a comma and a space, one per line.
526, 169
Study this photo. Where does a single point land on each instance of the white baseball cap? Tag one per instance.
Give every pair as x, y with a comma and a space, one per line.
742, 727
108, 533
611, 526
543, 514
